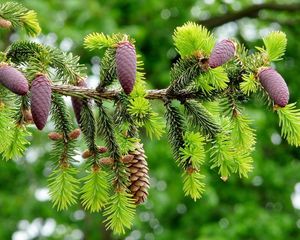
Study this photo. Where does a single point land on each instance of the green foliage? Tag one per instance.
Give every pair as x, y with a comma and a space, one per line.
191, 38
20, 16
221, 152
154, 126
249, 84
289, 121
193, 151
176, 129
63, 187
216, 78
88, 127
275, 43
108, 71
201, 118
106, 131
66, 66
244, 162
120, 212
126, 144
18, 143
183, 72
98, 40
193, 184
242, 134
6, 126
95, 191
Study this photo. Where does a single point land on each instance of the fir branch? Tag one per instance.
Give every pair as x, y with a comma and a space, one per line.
275, 43
88, 127
191, 38
6, 126
221, 152
176, 129
106, 130
249, 84
193, 151
289, 121
243, 136
120, 212
97, 41
184, 72
20, 17
95, 190
201, 118
244, 162
18, 143
63, 187
193, 185
108, 71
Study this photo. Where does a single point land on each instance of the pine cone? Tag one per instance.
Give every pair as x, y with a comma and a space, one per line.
13, 79
77, 103
40, 100
126, 65
138, 174
274, 85
222, 53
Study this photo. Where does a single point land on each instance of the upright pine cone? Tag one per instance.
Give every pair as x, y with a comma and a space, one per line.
77, 103
138, 174
274, 85
40, 100
13, 79
221, 53
126, 65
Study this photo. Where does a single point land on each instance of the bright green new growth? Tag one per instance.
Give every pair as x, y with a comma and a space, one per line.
193, 185
20, 16
192, 38
95, 190
63, 187
289, 121
250, 84
275, 43
120, 212
202, 111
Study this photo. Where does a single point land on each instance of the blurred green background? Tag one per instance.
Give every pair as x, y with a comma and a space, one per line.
264, 206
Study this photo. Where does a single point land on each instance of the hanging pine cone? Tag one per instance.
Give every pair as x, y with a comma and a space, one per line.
221, 53
138, 174
40, 100
126, 65
13, 79
77, 103
274, 85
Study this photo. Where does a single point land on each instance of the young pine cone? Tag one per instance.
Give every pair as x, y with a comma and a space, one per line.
221, 53
5, 23
13, 79
126, 65
77, 103
274, 85
138, 174
40, 100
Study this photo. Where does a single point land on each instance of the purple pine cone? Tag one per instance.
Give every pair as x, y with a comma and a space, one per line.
221, 53
13, 79
77, 103
40, 100
126, 65
274, 85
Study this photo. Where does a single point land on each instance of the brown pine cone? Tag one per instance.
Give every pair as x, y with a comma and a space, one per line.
126, 65
13, 79
138, 174
40, 100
